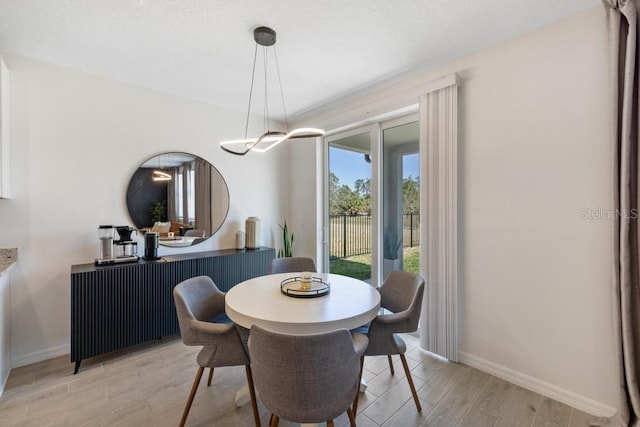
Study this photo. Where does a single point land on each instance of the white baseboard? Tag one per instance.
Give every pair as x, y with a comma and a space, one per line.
38, 356
551, 391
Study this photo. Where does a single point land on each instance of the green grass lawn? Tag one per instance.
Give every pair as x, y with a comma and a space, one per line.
359, 266
412, 259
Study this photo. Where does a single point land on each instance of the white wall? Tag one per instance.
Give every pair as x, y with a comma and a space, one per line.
534, 284
535, 152
76, 140
305, 215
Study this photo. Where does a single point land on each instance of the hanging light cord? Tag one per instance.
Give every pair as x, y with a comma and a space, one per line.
266, 94
284, 108
253, 73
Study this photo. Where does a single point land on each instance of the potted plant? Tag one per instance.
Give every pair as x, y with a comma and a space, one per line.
392, 243
158, 212
287, 242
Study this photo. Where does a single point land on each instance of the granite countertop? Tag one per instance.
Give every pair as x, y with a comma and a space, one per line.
8, 257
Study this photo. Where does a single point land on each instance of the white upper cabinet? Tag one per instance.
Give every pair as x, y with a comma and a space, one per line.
5, 173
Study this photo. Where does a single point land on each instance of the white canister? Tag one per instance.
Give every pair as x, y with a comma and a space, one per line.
252, 229
239, 240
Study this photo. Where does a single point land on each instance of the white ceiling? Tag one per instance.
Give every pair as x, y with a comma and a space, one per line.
203, 49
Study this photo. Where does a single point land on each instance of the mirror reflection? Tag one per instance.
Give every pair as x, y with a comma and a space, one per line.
179, 195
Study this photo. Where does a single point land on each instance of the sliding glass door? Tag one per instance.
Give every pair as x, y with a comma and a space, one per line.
373, 200
401, 197
349, 204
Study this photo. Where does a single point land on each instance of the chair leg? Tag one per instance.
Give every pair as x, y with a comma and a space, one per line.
194, 388
413, 388
355, 400
210, 377
390, 364
330, 423
274, 421
352, 417
252, 393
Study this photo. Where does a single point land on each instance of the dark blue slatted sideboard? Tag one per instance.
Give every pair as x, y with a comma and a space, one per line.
118, 306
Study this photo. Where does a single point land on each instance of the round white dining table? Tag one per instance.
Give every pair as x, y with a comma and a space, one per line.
350, 303
177, 242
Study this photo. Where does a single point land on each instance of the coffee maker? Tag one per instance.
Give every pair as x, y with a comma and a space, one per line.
105, 234
127, 248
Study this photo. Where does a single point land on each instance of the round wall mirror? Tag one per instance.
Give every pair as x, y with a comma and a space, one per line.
179, 195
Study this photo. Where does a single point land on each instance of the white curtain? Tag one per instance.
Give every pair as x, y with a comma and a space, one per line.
172, 214
203, 196
186, 185
438, 205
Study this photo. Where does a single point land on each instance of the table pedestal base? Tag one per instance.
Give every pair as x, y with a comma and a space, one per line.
363, 385
242, 396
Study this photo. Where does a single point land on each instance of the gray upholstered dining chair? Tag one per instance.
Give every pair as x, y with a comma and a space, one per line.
401, 293
292, 264
198, 302
306, 378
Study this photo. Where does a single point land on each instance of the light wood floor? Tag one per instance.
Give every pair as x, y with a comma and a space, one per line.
149, 385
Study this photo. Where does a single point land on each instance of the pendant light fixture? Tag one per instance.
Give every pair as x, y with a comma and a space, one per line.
160, 176
266, 37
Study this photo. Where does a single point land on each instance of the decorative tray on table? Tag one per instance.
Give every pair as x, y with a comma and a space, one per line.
297, 287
